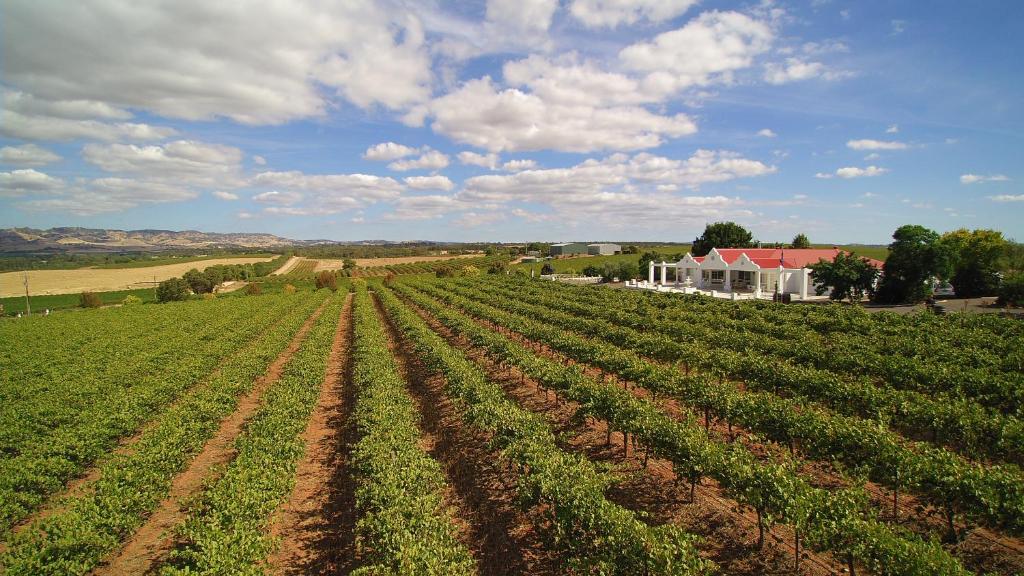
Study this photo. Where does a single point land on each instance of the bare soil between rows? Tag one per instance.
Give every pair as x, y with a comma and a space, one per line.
143, 552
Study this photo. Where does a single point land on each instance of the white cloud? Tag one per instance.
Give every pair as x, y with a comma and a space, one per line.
518, 165
709, 48
387, 151
33, 127
528, 17
1007, 198
892, 129
853, 172
483, 160
268, 62
436, 182
424, 207
27, 155
480, 114
476, 219
110, 195
286, 198
222, 195
981, 179
795, 69
568, 81
259, 160
766, 132
183, 161
898, 26
244, 215
875, 145
328, 193
429, 160
27, 181
611, 13
872, 156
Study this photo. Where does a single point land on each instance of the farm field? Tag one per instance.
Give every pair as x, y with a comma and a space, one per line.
49, 282
496, 424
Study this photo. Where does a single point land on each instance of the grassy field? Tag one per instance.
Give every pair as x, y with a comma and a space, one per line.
165, 260
100, 280
15, 304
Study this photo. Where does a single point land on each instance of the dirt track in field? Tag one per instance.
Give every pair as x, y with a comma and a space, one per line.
728, 530
322, 264
317, 523
147, 547
502, 538
42, 282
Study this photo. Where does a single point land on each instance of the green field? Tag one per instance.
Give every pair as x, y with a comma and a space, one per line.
16, 304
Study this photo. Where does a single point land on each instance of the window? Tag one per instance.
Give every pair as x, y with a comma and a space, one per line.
718, 275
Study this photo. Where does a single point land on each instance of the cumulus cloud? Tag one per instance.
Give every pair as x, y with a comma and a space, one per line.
27, 155
326, 193
183, 161
892, 129
981, 179
709, 48
286, 198
27, 181
612, 13
429, 160
222, 195
388, 151
766, 132
518, 165
424, 207
1007, 198
33, 127
796, 69
436, 182
876, 145
109, 195
853, 172
268, 62
483, 160
483, 115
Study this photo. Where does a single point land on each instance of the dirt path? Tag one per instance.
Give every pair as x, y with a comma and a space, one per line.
287, 266
142, 552
502, 538
317, 524
729, 531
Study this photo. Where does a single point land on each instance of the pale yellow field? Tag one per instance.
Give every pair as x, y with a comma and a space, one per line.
102, 280
367, 262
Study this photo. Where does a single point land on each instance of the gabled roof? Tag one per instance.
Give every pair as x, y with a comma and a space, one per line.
786, 257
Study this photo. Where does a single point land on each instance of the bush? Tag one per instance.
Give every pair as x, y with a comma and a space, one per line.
131, 300
289, 289
444, 272
327, 279
90, 300
209, 296
253, 289
1011, 291
547, 269
174, 289
199, 282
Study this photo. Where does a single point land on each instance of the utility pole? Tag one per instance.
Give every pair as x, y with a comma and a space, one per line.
28, 305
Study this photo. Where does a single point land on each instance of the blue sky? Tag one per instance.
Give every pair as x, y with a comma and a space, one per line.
513, 120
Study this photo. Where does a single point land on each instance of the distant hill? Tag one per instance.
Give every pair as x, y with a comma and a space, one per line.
60, 240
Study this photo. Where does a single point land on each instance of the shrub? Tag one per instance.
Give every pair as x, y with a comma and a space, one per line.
547, 269
90, 300
289, 289
253, 289
171, 290
327, 279
131, 300
209, 296
1011, 291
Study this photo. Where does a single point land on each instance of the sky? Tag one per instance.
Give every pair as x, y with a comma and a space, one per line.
513, 120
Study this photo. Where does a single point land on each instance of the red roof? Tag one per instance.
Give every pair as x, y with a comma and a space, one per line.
787, 257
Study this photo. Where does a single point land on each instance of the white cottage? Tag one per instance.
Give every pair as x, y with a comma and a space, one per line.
742, 272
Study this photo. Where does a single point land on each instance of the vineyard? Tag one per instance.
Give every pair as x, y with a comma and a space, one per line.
495, 424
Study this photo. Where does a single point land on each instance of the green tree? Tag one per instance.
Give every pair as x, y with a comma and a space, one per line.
916, 255
848, 276
800, 241
198, 282
497, 267
348, 264
722, 235
327, 279
1011, 291
976, 257
631, 249
172, 290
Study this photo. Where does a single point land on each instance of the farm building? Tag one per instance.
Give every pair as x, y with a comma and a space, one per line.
603, 249
568, 248
742, 272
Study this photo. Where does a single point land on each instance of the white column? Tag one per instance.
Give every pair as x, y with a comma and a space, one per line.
650, 272
664, 274
728, 281
757, 283
803, 283
700, 278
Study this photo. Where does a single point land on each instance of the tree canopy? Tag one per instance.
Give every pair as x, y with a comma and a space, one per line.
171, 290
800, 241
916, 255
722, 235
975, 257
849, 276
